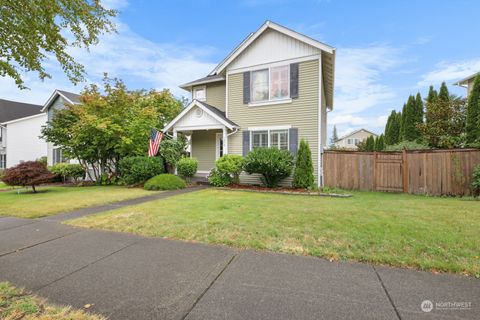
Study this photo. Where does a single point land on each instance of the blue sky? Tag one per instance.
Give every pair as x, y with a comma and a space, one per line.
386, 50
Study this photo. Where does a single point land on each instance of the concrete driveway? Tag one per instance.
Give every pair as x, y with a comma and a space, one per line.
130, 277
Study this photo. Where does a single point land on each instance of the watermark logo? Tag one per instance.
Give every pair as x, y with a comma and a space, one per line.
426, 305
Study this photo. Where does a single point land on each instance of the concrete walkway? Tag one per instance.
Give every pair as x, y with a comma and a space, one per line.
130, 277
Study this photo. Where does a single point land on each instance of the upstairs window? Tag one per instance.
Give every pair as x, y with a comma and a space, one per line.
200, 93
270, 84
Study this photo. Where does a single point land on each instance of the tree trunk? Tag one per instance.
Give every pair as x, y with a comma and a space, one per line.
33, 188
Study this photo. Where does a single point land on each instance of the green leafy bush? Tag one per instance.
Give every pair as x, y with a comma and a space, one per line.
165, 181
67, 170
272, 163
230, 165
303, 173
407, 145
171, 151
218, 179
136, 170
187, 167
476, 181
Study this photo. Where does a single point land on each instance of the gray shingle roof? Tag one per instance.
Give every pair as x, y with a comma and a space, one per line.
11, 110
219, 113
75, 98
203, 80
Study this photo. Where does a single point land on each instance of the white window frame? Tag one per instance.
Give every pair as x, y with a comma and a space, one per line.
194, 93
270, 100
269, 130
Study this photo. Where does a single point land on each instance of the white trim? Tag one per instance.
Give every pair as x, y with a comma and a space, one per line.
276, 27
273, 64
218, 136
192, 128
320, 129
24, 118
185, 86
204, 87
226, 96
205, 109
269, 128
53, 97
269, 102
203, 171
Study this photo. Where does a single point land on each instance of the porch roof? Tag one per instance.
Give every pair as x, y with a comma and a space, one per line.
212, 111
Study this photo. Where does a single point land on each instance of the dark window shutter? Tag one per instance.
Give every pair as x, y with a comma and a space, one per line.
246, 87
293, 140
294, 80
246, 143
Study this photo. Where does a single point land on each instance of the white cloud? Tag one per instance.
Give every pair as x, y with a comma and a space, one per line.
449, 71
138, 61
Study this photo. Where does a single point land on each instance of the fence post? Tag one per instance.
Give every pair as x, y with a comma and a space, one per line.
374, 171
405, 171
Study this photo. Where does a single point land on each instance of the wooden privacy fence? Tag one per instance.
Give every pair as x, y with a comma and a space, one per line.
435, 172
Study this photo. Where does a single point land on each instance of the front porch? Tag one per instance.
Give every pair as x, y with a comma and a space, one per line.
207, 130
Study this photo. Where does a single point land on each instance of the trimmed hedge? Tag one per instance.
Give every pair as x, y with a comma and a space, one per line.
68, 170
165, 181
137, 170
187, 167
273, 164
303, 173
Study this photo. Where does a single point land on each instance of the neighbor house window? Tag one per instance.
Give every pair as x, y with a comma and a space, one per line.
270, 139
200, 93
3, 161
270, 84
57, 155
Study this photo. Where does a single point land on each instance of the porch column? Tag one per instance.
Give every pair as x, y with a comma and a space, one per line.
225, 141
175, 137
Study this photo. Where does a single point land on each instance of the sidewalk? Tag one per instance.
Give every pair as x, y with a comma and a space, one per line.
125, 276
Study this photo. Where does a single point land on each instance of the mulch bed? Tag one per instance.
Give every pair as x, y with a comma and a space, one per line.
284, 190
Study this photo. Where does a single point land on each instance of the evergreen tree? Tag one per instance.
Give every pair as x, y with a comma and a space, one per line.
370, 144
410, 120
432, 95
443, 94
388, 126
334, 137
380, 143
303, 173
473, 112
402, 122
397, 128
418, 109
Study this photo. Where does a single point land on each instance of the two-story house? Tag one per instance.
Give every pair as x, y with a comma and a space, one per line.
57, 101
20, 125
350, 141
467, 82
271, 91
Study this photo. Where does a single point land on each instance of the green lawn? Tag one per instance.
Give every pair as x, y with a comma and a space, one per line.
52, 200
19, 304
437, 234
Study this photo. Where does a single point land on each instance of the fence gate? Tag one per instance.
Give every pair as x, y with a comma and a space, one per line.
388, 172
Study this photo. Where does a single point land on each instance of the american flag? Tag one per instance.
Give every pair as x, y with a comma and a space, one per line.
154, 143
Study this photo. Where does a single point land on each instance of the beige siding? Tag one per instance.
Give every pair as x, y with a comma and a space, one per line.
216, 94
203, 148
301, 113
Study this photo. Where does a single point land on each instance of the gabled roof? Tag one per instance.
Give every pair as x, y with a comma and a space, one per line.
357, 131
211, 110
11, 110
274, 26
204, 80
69, 97
466, 80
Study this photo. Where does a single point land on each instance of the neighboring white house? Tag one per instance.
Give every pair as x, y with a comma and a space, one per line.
20, 125
57, 101
23, 142
351, 140
467, 82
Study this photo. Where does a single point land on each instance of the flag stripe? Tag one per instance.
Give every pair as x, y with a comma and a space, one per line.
154, 142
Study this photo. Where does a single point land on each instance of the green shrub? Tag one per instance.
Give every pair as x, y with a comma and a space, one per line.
476, 181
171, 151
272, 163
407, 145
187, 167
165, 181
303, 174
137, 170
218, 179
230, 165
67, 171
